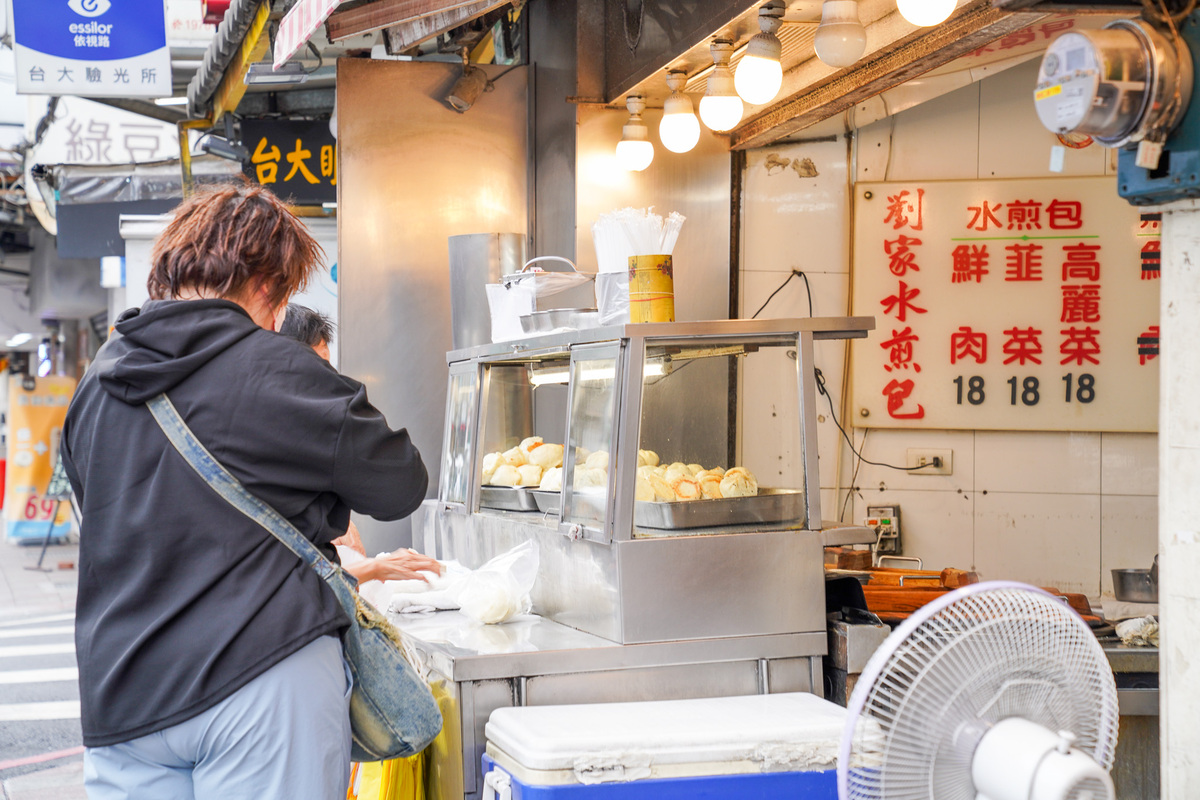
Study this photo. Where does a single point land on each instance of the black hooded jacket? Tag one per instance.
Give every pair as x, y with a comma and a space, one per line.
182, 599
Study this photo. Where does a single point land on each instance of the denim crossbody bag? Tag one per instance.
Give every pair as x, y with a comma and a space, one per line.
392, 712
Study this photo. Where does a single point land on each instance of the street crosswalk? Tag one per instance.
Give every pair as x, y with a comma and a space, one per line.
39, 692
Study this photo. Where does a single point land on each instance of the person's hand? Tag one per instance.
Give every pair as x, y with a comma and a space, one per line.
403, 565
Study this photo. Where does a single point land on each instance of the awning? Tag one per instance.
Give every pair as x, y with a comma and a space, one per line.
298, 25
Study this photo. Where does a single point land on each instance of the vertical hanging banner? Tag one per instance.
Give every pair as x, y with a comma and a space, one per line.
37, 408
92, 48
1006, 305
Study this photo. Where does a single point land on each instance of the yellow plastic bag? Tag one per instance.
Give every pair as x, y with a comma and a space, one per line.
399, 779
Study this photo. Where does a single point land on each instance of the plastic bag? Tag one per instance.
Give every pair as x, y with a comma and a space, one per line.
499, 590
508, 302
612, 297
494, 593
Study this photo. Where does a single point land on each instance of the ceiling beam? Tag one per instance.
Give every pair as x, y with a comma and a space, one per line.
381, 14
815, 95
168, 114
409, 34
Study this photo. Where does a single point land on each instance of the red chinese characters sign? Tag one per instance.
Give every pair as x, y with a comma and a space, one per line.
1010, 305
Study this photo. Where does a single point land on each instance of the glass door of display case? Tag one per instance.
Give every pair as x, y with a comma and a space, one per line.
458, 444
590, 462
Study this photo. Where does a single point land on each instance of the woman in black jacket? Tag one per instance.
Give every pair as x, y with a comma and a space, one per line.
209, 658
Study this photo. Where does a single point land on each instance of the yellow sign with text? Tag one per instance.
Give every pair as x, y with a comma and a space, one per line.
37, 408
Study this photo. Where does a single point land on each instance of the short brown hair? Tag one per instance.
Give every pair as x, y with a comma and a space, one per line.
222, 239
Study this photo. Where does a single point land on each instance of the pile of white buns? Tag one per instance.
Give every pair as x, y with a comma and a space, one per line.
535, 463
531, 463
679, 481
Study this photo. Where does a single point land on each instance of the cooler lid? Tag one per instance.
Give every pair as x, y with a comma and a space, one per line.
791, 727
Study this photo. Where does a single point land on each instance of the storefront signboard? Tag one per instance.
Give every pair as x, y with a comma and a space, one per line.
296, 160
37, 408
1006, 305
92, 48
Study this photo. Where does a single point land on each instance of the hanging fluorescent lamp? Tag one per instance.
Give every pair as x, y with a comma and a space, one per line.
634, 151
759, 74
721, 108
841, 37
679, 129
924, 13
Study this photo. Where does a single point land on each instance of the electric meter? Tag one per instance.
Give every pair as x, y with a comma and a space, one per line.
1122, 84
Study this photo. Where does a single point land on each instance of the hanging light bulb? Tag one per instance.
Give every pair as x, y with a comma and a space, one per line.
841, 37
759, 74
721, 108
924, 13
679, 129
634, 151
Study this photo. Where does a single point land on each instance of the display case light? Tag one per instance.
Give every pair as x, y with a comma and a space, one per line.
721, 108
556, 374
634, 151
759, 74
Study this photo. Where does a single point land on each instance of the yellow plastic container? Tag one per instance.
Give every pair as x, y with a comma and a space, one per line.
651, 289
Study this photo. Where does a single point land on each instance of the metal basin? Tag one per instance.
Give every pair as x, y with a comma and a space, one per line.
1135, 585
554, 318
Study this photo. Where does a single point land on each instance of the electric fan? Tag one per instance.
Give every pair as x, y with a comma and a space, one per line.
997, 691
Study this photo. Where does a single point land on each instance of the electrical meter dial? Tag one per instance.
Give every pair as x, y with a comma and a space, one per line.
1118, 85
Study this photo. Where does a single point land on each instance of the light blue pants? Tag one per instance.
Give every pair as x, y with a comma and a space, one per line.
284, 735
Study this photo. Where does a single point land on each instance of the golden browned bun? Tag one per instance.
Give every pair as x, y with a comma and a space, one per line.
718, 471
513, 457
686, 489
710, 486
676, 471
531, 474
506, 475
662, 489
645, 471
546, 456
695, 469
739, 482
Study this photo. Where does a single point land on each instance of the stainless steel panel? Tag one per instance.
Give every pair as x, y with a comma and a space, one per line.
1138, 702
805, 374
792, 675
698, 587
682, 682
1136, 770
577, 580
398, 144
696, 185
770, 506
822, 328
486, 697
477, 259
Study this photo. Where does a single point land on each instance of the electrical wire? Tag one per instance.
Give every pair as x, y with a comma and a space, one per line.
821, 378
853, 479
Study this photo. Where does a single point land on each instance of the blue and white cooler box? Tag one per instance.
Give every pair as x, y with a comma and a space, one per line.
755, 747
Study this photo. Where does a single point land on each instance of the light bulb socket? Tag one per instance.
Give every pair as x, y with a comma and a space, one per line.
635, 130
722, 51
770, 16
720, 82
677, 103
765, 45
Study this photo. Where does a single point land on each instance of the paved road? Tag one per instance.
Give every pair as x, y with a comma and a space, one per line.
39, 693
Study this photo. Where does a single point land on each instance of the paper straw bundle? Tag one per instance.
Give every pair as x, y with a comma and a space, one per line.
627, 232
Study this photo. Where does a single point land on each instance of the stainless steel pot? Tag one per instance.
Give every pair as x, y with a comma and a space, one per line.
1136, 585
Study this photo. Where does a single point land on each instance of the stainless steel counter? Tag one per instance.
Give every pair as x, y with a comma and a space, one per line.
532, 660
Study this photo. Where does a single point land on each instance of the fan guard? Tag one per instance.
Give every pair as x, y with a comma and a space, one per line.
956, 667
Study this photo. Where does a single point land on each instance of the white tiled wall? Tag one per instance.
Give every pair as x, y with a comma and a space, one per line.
1053, 509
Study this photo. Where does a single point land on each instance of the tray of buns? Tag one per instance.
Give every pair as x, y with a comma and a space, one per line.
507, 498
769, 506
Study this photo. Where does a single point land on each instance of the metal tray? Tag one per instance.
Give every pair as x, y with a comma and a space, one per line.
548, 502
770, 506
507, 498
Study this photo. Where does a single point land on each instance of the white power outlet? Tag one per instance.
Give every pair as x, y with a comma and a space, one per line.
934, 462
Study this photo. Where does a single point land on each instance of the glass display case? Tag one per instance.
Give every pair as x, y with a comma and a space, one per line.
642, 430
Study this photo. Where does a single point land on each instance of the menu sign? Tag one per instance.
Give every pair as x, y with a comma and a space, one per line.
1008, 305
